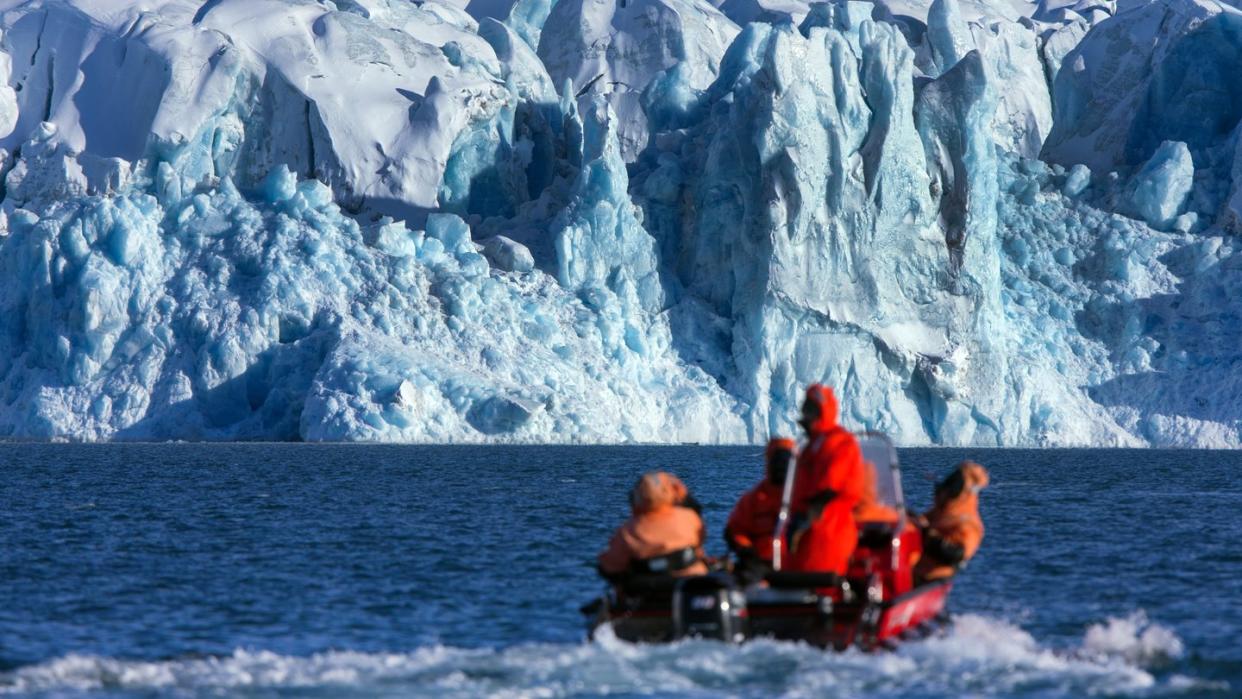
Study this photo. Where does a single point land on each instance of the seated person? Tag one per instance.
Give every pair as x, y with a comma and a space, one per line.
752, 524
953, 529
663, 536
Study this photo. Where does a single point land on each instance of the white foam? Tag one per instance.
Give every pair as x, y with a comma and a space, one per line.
978, 655
1134, 639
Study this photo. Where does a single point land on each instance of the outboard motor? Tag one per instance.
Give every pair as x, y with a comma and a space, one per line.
709, 606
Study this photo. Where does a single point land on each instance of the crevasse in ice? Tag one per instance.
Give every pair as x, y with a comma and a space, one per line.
635, 220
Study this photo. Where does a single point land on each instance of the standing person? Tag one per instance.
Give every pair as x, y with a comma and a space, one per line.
827, 486
752, 523
954, 528
662, 535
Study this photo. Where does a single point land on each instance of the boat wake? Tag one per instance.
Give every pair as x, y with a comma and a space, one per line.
977, 654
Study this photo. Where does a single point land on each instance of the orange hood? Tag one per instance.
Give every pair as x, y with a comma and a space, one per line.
656, 490
822, 396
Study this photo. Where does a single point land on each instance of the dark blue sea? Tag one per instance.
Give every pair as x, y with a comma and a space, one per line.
272, 570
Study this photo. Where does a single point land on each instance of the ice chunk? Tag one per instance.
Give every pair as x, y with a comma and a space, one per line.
1186, 222
451, 231
501, 414
508, 255
1078, 180
1160, 188
280, 185
397, 240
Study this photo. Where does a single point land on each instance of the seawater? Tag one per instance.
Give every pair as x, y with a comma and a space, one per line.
334, 570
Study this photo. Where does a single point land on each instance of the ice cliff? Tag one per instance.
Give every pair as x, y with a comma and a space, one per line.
621, 220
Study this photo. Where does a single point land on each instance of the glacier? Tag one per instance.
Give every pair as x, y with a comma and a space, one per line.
985, 223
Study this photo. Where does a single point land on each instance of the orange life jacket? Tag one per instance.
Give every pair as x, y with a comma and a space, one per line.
657, 526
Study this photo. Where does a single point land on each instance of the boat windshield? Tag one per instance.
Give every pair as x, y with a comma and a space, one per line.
878, 450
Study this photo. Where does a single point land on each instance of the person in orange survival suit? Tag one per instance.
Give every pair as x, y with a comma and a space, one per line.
827, 486
953, 530
662, 535
753, 520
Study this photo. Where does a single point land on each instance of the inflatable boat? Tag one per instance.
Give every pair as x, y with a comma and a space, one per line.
874, 605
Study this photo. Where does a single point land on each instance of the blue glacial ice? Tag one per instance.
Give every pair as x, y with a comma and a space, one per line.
1162, 185
632, 220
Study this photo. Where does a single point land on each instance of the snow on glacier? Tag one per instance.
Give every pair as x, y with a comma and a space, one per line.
632, 220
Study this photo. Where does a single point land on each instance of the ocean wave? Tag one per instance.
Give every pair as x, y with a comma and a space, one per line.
976, 655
